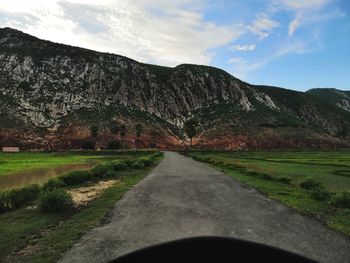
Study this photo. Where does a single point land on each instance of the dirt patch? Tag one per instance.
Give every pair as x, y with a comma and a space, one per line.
28, 250
30, 246
82, 195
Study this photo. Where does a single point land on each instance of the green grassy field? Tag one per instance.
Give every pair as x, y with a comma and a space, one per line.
331, 169
29, 235
17, 162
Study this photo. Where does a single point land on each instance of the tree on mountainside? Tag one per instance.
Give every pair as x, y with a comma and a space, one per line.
139, 130
190, 127
122, 131
94, 131
114, 128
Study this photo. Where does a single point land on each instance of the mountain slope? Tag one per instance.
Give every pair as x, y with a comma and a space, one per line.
339, 98
50, 91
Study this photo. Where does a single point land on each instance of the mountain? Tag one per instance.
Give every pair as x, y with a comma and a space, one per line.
53, 93
339, 98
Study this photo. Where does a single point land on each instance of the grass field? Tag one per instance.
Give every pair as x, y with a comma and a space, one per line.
29, 235
18, 162
331, 169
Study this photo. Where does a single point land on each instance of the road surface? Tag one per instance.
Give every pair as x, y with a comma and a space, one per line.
184, 198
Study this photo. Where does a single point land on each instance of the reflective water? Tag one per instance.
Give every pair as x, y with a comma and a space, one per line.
40, 176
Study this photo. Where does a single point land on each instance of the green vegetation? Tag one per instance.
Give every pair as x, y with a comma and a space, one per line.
114, 128
139, 130
310, 184
11, 199
76, 177
94, 131
53, 183
25, 161
122, 131
191, 129
115, 145
342, 200
57, 200
308, 181
18, 162
88, 145
29, 235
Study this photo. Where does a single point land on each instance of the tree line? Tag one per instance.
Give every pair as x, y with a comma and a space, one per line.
190, 128
116, 129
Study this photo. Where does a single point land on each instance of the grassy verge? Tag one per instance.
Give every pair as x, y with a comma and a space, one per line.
286, 192
28, 235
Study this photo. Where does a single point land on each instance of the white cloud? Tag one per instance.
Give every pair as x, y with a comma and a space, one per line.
299, 4
155, 31
243, 48
263, 25
241, 67
306, 12
294, 25
235, 60
294, 47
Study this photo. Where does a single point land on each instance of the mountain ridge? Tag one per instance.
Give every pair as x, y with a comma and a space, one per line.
44, 86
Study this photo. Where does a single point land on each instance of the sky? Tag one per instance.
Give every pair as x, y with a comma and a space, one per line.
295, 44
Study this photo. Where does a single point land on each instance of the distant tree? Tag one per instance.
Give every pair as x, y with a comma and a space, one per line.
190, 128
114, 128
152, 145
94, 131
122, 131
114, 145
88, 145
139, 130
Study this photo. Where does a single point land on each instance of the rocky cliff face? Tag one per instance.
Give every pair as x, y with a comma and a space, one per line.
48, 88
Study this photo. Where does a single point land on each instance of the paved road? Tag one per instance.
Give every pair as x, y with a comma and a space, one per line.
183, 198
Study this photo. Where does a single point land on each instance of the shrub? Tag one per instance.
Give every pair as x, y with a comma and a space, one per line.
265, 176
205, 159
56, 201
23, 195
320, 194
100, 170
195, 157
158, 154
129, 162
341, 200
155, 155
311, 183
137, 164
76, 177
284, 179
115, 145
53, 183
14, 198
253, 173
146, 161
119, 165
111, 174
